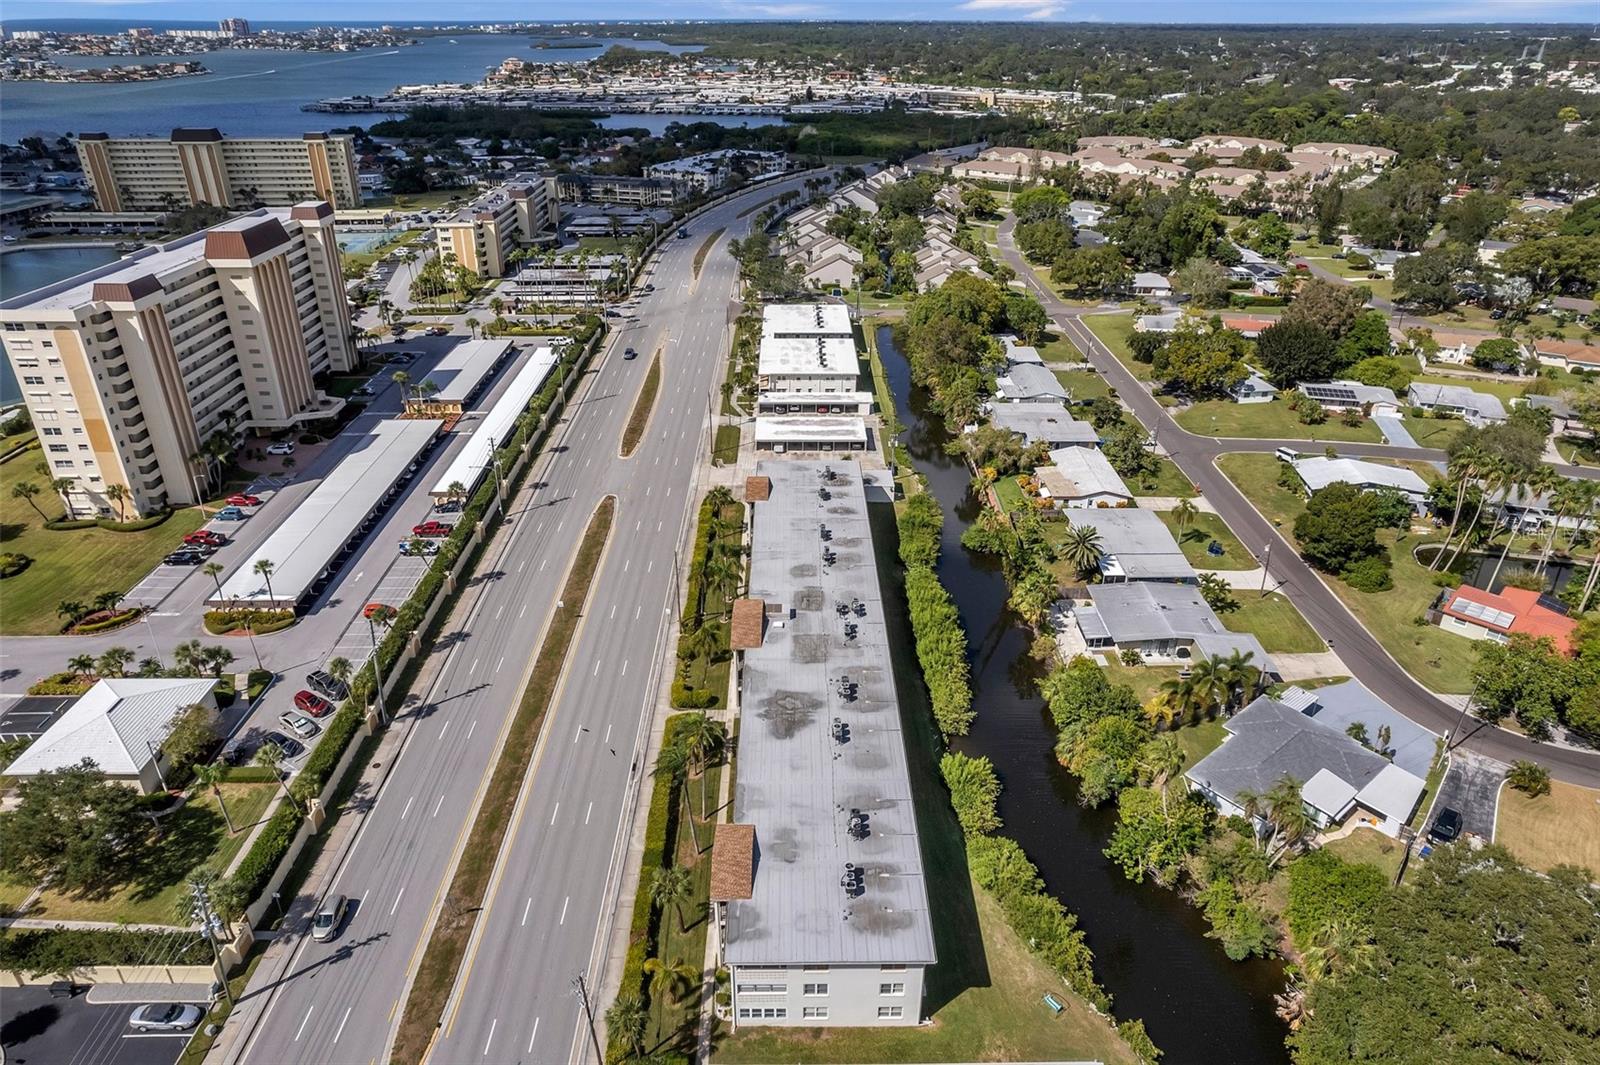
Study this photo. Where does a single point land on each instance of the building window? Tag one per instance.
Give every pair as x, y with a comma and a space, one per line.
763, 989
892, 989
814, 1013
815, 989
891, 1012
51, 432
757, 1013
813, 968
59, 448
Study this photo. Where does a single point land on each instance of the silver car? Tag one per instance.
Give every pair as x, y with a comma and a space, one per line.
325, 925
165, 1017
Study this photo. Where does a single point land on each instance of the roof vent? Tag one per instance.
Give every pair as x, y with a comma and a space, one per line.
852, 880
857, 825
841, 731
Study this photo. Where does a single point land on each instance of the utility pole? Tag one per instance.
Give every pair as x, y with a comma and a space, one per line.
202, 904
377, 666
581, 989
1455, 733
1266, 569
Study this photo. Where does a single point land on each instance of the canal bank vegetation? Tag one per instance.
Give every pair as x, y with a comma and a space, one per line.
940, 641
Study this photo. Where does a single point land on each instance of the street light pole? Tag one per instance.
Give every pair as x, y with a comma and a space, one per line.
1455, 733
377, 672
581, 989
154, 644
1266, 569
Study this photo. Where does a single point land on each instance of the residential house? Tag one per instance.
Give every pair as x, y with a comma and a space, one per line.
1254, 389
1489, 250
1481, 615
1165, 623
1564, 419
1476, 408
1017, 352
1355, 154
1349, 703
1268, 742
1081, 477
119, 724
1157, 323
1121, 145
1568, 354
1247, 325
1151, 285
1217, 144
1045, 423
1027, 382
1136, 545
1317, 472
1352, 395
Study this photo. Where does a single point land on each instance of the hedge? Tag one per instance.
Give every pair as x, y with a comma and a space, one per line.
261, 622
256, 868
138, 525
50, 951
61, 684
116, 621
941, 650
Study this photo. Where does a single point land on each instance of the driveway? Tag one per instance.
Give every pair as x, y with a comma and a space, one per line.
1472, 786
40, 1030
1394, 430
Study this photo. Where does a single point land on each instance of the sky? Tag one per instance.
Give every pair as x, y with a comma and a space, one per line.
1257, 11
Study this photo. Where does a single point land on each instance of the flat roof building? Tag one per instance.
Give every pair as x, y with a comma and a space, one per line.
1476, 408
807, 347
823, 913
1029, 382
1163, 622
130, 368
195, 166
1081, 477
483, 235
1318, 472
1135, 545
309, 544
457, 377
810, 432
1046, 423
782, 321
472, 463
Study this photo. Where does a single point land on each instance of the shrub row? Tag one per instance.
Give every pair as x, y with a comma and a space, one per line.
61, 951
138, 525
693, 590
941, 650
260, 622
256, 868
115, 621
64, 683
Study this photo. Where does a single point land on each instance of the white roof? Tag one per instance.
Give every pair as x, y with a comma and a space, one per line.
117, 724
305, 542
1393, 792
804, 429
1319, 472
808, 356
1088, 472
464, 367
1327, 792
1017, 352
806, 320
468, 466
1144, 279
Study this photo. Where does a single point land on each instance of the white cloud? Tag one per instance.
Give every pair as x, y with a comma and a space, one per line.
1028, 9
779, 10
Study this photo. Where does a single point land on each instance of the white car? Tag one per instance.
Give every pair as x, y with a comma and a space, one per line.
165, 1017
325, 925
285, 448
299, 724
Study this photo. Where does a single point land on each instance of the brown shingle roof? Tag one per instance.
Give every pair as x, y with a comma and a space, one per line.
757, 489
733, 862
749, 617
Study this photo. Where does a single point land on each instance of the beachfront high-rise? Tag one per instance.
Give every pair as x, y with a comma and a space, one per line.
195, 166
131, 368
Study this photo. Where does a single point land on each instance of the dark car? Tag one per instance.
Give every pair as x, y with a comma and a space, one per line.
448, 506
326, 683
290, 748
187, 557
1446, 827
312, 704
630, 354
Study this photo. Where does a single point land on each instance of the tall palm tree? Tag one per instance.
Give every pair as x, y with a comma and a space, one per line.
118, 494
1081, 548
210, 775
1286, 816
702, 737
189, 657
1463, 469
340, 669
679, 976
214, 571
1540, 481
626, 1021
673, 763
81, 665
216, 659
1162, 760
270, 756
1181, 694
26, 491
63, 485
1184, 515
113, 661
264, 568
403, 379
1239, 674
1493, 476
1571, 498
1212, 685
672, 886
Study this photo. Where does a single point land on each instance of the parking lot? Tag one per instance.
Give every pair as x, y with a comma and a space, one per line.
28, 716
37, 1029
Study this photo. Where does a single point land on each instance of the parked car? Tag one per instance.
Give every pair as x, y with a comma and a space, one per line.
325, 925
432, 528
1446, 827
421, 547
165, 1017
186, 557
285, 448
312, 703
241, 750
244, 499
438, 331
231, 513
206, 538
364, 392
326, 683
372, 610
299, 724
290, 748
449, 506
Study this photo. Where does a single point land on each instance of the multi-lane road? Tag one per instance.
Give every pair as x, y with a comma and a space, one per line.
1372, 665
546, 914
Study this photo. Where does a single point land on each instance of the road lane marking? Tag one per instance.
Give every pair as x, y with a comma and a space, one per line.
346, 1017
554, 812
525, 606
397, 899
407, 809
608, 735
542, 564
626, 563
636, 612
474, 668
658, 526
589, 811
501, 664
596, 669
534, 1036
303, 1023
564, 909
525, 910
436, 807
651, 566
444, 730
489, 1040
473, 724
613, 610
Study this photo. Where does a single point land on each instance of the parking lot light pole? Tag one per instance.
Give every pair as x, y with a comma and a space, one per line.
377, 663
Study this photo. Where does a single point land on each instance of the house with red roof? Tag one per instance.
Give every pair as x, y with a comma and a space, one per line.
1480, 615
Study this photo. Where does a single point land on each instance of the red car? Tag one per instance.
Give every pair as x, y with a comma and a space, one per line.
244, 499
373, 610
312, 704
205, 537
431, 528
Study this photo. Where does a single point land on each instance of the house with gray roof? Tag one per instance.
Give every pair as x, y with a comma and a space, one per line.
1269, 741
1317, 472
1135, 544
1166, 623
1029, 382
1349, 702
1254, 389
1079, 477
1476, 408
1352, 395
1045, 423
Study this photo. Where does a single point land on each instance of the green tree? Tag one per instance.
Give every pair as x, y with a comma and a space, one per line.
672, 886
625, 1023
1154, 837
73, 826
1338, 527
979, 201
1529, 777
1097, 271
210, 775
114, 662
1293, 351
192, 738
1331, 306
1367, 337
1202, 363
1428, 279
1203, 281
1081, 548
1525, 677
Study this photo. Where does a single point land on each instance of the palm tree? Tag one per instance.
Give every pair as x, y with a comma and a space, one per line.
1081, 548
1239, 674
216, 659
264, 568
1494, 475
678, 976
1162, 760
270, 756
81, 665
210, 775
1162, 711
1340, 946
702, 640
425, 391
403, 379
673, 763
118, 494
1287, 819
25, 491
1571, 497
340, 669
723, 573
472, 325
113, 662
1184, 515
107, 601
457, 491
1529, 483
625, 1020
1463, 468
188, 657
1182, 696
1212, 686
63, 485
214, 571
672, 886
702, 738
71, 609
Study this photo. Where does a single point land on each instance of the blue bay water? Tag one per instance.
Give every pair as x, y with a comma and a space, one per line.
25, 269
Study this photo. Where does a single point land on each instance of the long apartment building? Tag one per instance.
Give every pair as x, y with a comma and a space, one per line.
820, 899
483, 235
129, 368
195, 166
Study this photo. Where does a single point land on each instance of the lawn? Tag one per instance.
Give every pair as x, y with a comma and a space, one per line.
1204, 529
1083, 384
725, 445
1113, 330
344, 385
1269, 421
1370, 847
1440, 660
1057, 348
1561, 828
1167, 481
1010, 494
633, 432
1433, 432
1145, 681
194, 837
1199, 740
1275, 622
75, 564
706, 667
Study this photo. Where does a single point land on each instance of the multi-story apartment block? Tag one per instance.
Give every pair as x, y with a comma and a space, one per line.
482, 235
130, 369
612, 188
202, 166
807, 347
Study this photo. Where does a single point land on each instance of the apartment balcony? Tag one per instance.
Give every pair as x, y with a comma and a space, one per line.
122, 389
144, 452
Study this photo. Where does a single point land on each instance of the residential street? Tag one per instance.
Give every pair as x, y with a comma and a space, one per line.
1371, 664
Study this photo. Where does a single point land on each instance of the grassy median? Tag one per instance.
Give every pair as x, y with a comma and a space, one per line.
441, 960
633, 432
705, 250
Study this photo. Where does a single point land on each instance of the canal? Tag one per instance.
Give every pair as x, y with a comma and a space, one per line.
1150, 946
